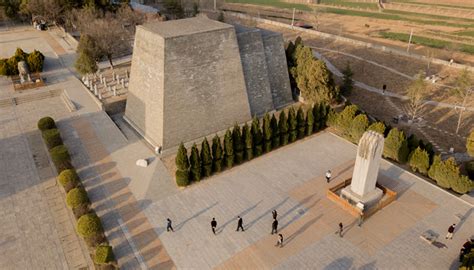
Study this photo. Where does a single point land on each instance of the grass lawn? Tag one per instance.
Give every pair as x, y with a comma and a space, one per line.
273, 3
350, 4
468, 33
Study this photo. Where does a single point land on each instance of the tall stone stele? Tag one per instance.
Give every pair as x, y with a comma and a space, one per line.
364, 178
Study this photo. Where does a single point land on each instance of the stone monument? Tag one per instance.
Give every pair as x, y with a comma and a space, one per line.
23, 72
362, 189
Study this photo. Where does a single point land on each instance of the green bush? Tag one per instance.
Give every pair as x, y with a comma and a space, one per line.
76, 197
216, 154
317, 117
228, 150
35, 61
470, 144
309, 121
68, 179
470, 169
89, 225
237, 144
206, 158
182, 166
413, 142
182, 178
12, 64
104, 254
468, 261
292, 125
396, 146
301, 123
358, 127
61, 158
4, 67
419, 161
267, 133
46, 123
248, 142
447, 175
195, 161
283, 127
257, 137
52, 137
345, 118
275, 132
377, 127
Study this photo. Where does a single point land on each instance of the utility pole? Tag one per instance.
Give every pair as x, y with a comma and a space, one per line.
409, 40
293, 19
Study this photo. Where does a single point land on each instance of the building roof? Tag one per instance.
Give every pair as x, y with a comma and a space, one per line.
183, 27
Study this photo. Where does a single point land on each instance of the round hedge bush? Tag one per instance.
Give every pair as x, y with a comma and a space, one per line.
68, 179
52, 137
89, 225
77, 197
46, 123
104, 254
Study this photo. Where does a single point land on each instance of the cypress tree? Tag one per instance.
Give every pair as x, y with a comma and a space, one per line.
317, 117
206, 158
292, 125
248, 142
267, 134
216, 154
324, 110
396, 146
358, 127
195, 164
413, 142
238, 146
470, 143
283, 127
275, 132
182, 166
377, 127
257, 137
301, 123
228, 149
344, 119
309, 121
419, 161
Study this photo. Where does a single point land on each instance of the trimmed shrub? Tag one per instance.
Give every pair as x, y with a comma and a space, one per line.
61, 158
217, 154
267, 134
358, 127
46, 123
4, 67
206, 158
257, 137
52, 137
275, 132
104, 254
396, 146
377, 127
228, 149
182, 166
344, 119
317, 117
470, 169
76, 197
292, 125
68, 179
35, 61
447, 175
301, 123
331, 118
470, 144
195, 162
248, 142
462, 184
324, 110
238, 145
419, 161
283, 127
89, 225
309, 121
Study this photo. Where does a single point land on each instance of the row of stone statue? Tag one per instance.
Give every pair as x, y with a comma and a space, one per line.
102, 85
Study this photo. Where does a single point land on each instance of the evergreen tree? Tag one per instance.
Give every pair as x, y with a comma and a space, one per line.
257, 137
267, 134
275, 132
238, 145
419, 161
301, 123
228, 149
182, 166
248, 142
470, 144
217, 154
377, 127
206, 158
344, 119
347, 82
396, 146
309, 121
283, 127
324, 110
413, 142
292, 125
195, 164
317, 117
358, 127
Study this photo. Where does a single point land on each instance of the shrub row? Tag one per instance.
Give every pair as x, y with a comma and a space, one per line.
89, 226
34, 60
244, 143
351, 123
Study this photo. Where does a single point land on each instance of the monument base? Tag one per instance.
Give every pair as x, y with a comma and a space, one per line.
367, 200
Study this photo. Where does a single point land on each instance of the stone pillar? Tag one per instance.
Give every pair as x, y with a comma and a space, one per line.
364, 178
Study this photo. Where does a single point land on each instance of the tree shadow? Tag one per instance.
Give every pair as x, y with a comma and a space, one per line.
340, 263
302, 229
251, 223
182, 223
298, 205
464, 218
368, 266
241, 214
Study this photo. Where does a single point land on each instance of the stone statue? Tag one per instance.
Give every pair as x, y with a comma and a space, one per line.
364, 178
23, 72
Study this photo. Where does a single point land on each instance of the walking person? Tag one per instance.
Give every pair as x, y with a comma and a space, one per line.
450, 231
274, 214
384, 87
275, 226
341, 228
168, 225
279, 241
213, 225
240, 223
328, 176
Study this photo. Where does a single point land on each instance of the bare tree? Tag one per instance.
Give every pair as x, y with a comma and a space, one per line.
416, 94
463, 88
